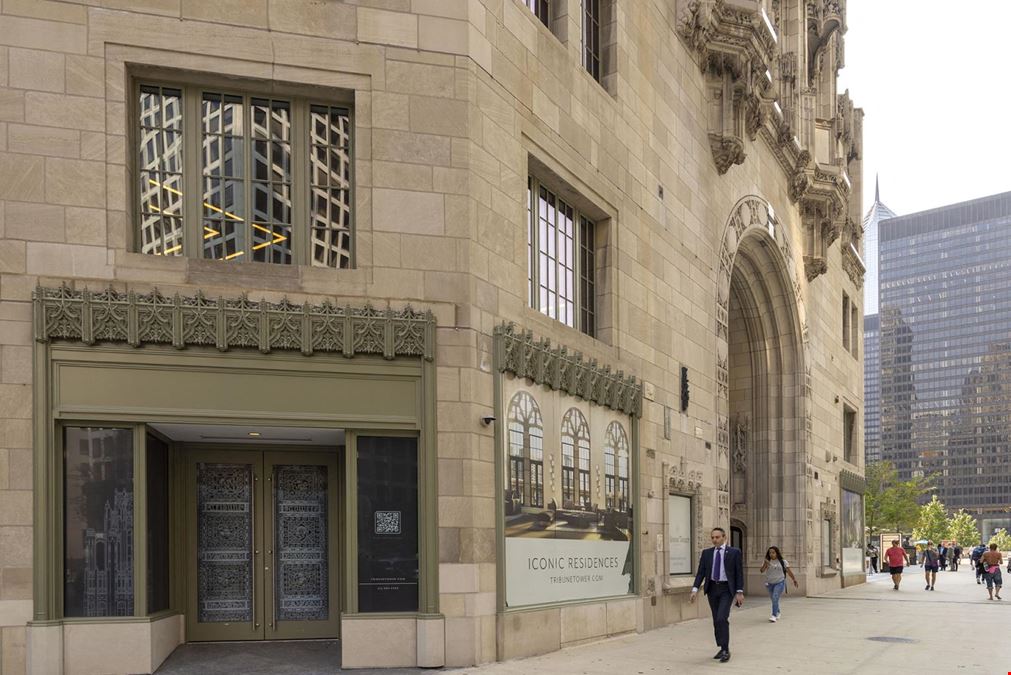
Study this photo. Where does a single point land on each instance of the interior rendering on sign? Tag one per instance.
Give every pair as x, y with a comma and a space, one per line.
567, 492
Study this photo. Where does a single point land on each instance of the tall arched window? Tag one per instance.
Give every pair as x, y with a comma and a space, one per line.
616, 467
526, 450
575, 460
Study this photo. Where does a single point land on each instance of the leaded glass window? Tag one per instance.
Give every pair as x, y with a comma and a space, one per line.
562, 266
273, 182
576, 459
526, 450
616, 460
160, 170
330, 185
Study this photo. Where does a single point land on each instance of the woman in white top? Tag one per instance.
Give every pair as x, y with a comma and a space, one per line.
776, 569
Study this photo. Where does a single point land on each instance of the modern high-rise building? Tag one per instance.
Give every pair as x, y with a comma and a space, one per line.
945, 335
872, 389
872, 220
872, 332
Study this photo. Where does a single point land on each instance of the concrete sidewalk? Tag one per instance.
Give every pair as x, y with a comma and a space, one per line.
864, 629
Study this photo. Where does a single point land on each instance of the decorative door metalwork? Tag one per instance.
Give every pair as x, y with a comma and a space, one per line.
301, 562
224, 542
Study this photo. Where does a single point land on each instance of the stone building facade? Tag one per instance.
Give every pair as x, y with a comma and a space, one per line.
419, 303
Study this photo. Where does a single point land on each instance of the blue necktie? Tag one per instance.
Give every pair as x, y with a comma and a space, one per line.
718, 565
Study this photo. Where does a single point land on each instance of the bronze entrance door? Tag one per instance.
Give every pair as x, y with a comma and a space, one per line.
261, 545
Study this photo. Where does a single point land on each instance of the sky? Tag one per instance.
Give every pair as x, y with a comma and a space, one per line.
934, 81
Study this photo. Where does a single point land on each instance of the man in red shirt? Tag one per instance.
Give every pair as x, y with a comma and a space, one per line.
896, 557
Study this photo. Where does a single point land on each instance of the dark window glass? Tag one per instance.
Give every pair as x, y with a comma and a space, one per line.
157, 525
540, 9
387, 524
98, 521
591, 37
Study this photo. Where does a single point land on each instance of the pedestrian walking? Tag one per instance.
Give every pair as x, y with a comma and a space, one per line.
942, 556
930, 560
776, 569
895, 557
721, 576
872, 553
974, 557
992, 560
956, 557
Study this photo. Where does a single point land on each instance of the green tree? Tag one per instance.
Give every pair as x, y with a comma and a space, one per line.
1002, 539
933, 521
890, 504
962, 529
879, 475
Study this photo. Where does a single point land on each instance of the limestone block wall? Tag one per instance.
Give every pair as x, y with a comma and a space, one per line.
456, 102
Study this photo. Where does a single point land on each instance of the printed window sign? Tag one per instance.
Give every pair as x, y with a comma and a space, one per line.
568, 498
679, 538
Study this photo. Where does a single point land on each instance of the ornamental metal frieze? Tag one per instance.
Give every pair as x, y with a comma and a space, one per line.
852, 482
182, 321
518, 352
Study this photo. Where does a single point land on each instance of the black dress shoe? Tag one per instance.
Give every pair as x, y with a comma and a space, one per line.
719, 655
725, 657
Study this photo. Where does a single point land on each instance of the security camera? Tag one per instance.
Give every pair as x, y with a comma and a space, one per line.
487, 419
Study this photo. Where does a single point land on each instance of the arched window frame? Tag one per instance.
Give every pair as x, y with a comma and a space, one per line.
575, 459
526, 450
616, 467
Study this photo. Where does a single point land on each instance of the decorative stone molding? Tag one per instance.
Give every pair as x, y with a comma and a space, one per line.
853, 265
226, 323
829, 512
727, 151
739, 446
751, 213
734, 44
824, 17
519, 353
852, 482
687, 483
823, 194
723, 437
680, 480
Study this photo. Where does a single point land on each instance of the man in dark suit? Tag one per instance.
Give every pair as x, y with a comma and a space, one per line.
721, 575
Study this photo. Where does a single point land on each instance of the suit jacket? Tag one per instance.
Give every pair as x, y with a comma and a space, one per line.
733, 563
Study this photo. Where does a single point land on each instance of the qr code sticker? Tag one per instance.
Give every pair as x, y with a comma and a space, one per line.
387, 522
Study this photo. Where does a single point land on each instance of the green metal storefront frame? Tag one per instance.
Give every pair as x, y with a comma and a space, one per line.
81, 337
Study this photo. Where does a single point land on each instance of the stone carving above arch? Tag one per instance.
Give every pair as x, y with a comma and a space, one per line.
750, 214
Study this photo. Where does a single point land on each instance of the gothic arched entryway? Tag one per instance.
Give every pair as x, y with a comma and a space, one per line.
761, 387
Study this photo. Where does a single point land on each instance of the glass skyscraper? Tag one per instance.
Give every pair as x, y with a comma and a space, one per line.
872, 362
872, 389
945, 350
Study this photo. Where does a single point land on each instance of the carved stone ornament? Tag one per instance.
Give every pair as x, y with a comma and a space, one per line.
739, 445
829, 512
519, 353
184, 321
734, 45
853, 265
824, 18
823, 209
680, 479
727, 151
